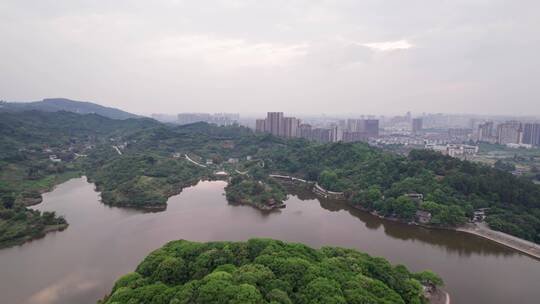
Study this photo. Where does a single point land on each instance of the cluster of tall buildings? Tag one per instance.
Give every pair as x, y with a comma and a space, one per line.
360, 129
509, 132
220, 119
279, 125
531, 134
346, 130
485, 132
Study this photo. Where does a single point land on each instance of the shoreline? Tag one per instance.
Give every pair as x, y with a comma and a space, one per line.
262, 208
480, 230
26, 239
30, 202
439, 296
60, 179
525, 247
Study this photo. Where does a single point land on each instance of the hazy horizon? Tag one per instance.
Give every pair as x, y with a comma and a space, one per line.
262, 114
312, 57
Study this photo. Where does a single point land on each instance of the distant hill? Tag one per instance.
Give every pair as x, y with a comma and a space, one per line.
62, 104
20, 128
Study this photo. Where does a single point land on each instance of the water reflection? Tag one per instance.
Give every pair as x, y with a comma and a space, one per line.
452, 241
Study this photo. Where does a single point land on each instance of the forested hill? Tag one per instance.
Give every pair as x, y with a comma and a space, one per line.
63, 104
452, 189
140, 163
266, 271
20, 129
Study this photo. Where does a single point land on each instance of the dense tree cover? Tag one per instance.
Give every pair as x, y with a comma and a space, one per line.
36, 129
262, 193
139, 180
151, 168
329, 180
267, 271
514, 202
21, 185
504, 166
146, 174
452, 189
18, 224
26, 141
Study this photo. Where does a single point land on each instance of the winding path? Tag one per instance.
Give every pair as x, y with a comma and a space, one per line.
117, 150
196, 163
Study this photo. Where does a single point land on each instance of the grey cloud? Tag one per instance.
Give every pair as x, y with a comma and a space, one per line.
296, 56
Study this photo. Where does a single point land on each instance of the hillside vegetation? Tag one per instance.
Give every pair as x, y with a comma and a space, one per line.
452, 189
63, 104
141, 163
264, 194
267, 271
27, 141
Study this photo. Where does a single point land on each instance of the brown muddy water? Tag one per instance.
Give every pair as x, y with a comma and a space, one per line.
80, 264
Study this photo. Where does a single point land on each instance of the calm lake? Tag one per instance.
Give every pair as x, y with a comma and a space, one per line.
80, 264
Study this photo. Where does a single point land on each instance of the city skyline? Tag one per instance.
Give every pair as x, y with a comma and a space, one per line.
259, 113
440, 134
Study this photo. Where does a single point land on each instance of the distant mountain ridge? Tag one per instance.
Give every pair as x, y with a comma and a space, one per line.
68, 105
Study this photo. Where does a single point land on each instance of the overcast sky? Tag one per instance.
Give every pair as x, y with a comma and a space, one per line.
304, 56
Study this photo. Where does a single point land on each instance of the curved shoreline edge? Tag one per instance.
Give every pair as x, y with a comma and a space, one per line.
440, 296
523, 246
21, 241
481, 230
528, 248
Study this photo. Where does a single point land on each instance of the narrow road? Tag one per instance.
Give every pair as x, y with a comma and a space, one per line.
117, 150
196, 163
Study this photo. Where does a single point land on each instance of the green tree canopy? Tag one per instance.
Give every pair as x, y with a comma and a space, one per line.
266, 271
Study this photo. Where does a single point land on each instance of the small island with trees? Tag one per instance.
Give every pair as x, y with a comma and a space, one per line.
268, 271
264, 195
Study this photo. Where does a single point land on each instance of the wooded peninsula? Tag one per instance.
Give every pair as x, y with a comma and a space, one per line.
140, 163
